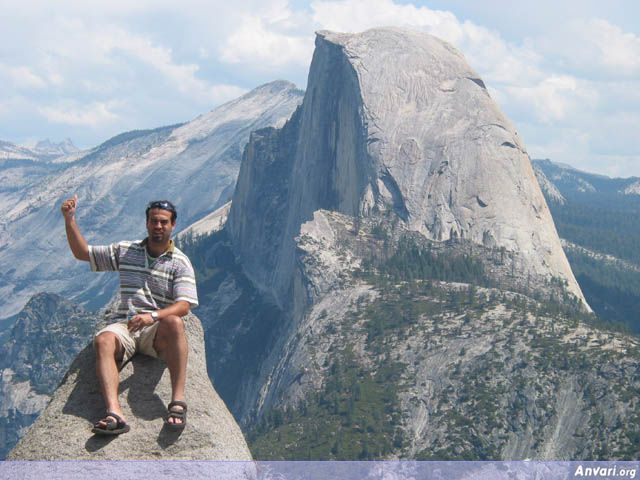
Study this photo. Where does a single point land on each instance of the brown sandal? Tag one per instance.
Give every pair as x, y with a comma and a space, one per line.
176, 414
112, 427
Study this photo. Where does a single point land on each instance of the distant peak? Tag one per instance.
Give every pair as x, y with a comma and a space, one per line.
46, 143
565, 166
49, 147
274, 87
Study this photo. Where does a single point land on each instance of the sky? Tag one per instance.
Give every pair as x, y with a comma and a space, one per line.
566, 73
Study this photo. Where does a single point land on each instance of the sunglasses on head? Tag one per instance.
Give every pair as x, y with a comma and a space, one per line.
163, 205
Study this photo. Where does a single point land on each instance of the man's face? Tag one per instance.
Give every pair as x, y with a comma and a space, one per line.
159, 226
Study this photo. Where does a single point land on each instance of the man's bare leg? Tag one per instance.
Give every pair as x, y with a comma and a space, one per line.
171, 344
109, 352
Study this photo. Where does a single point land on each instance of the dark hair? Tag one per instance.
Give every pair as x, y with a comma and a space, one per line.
164, 205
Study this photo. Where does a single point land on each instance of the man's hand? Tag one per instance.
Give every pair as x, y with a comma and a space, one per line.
138, 322
69, 207
77, 243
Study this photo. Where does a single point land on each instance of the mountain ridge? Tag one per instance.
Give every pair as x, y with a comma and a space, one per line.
597, 219
117, 178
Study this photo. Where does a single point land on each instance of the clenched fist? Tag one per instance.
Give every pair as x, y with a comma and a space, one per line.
69, 207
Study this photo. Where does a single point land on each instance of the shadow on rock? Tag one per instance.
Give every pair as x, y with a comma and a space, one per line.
140, 377
142, 399
85, 400
96, 442
168, 436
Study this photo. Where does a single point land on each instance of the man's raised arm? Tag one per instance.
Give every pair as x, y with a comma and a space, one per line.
77, 243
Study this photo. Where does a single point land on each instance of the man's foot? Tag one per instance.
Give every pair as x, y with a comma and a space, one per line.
111, 424
177, 415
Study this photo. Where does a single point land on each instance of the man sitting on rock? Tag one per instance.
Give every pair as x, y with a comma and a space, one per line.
157, 289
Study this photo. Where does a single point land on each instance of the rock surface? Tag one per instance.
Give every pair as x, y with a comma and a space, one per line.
63, 431
479, 373
35, 353
633, 189
552, 192
393, 122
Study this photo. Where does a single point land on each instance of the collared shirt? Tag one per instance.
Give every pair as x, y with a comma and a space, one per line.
146, 283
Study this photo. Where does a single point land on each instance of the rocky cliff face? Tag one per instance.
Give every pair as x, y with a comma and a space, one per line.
411, 349
34, 356
195, 165
397, 223
393, 362
393, 123
63, 431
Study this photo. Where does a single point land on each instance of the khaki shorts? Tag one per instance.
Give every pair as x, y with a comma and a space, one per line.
138, 342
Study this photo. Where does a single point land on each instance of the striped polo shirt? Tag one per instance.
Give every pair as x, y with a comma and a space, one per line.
146, 283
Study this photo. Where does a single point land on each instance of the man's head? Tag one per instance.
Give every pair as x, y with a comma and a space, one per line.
164, 205
161, 220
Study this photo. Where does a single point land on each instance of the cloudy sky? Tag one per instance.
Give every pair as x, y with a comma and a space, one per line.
567, 73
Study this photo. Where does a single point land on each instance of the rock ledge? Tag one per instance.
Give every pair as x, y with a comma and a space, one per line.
63, 431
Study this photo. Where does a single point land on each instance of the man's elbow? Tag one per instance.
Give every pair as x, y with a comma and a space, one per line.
185, 307
82, 255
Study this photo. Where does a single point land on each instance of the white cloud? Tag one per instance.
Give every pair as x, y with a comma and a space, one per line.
485, 50
21, 77
618, 96
575, 147
572, 84
106, 59
613, 165
616, 134
254, 42
93, 115
555, 147
619, 50
104, 46
511, 72
359, 15
593, 47
182, 76
223, 93
274, 11
553, 99
271, 35
55, 79
142, 49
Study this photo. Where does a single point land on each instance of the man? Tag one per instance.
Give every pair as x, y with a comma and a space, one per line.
157, 289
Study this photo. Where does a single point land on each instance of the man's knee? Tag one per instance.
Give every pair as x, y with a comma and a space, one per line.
170, 334
172, 324
106, 343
